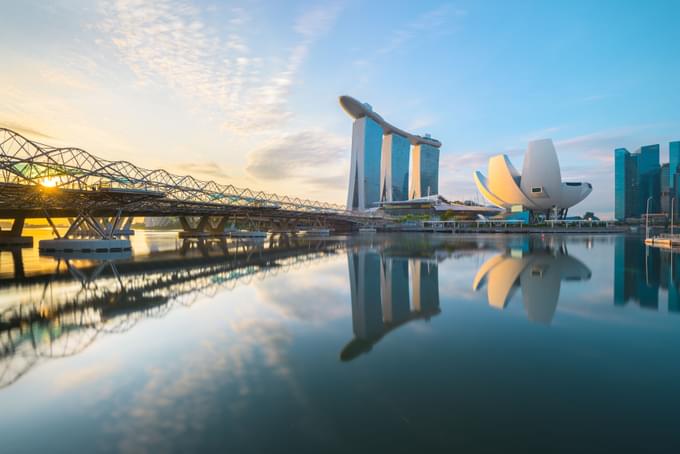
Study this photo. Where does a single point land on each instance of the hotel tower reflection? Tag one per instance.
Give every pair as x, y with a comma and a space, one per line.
381, 300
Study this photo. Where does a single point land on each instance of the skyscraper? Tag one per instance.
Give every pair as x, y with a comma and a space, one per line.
364, 179
649, 171
625, 184
666, 192
394, 168
425, 178
674, 161
639, 177
379, 169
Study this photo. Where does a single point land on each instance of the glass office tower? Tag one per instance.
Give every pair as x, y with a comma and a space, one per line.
649, 171
394, 171
674, 161
425, 171
364, 179
639, 176
622, 177
664, 182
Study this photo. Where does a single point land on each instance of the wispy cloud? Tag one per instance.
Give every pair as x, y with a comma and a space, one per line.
427, 23
304, 155
30, 133
169, 42
209, 168
540, 134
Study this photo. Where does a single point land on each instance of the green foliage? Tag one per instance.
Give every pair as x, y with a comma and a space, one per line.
414, 217
451, 216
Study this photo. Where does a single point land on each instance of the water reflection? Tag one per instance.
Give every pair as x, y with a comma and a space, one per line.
334, 347
59, 314
536, 266
381, 300
393, 280
642, 272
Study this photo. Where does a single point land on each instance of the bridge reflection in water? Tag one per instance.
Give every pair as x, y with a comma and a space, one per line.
59, 314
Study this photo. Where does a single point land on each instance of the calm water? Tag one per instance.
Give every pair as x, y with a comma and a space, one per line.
408, 343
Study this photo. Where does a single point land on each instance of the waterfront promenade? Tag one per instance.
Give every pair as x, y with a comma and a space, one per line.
506, 226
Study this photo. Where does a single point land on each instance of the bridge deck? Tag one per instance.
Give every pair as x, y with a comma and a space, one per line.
32, 201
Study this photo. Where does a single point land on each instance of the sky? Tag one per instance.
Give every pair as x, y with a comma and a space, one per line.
246, 92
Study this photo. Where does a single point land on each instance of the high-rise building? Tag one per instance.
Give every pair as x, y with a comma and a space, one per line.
379, 169
640, 179
364, 179
649, 171
626, 184
425, 179
664, 183
394, 168
674, 161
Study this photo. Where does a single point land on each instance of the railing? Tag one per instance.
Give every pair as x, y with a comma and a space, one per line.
496, 223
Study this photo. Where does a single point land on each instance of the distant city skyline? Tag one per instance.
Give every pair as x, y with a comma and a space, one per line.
246, 92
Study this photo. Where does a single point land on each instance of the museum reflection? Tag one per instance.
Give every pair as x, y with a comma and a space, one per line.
535, 266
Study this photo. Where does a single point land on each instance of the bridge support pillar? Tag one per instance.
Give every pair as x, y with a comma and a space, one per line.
87, 234
13, 237
203, 228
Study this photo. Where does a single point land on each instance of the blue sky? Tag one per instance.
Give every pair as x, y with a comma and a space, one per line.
245, 92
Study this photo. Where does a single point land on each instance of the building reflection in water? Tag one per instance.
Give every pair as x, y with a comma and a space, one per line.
381, 300
535, 266
392, 282
641, 272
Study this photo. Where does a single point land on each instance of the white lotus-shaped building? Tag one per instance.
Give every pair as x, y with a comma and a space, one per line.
539, 188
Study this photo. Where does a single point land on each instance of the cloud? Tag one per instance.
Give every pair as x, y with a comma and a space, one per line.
304, 155
28, 132
540, 134
336, 181
210, 168
169, 42
427, 23
455, 172
421, 122
64, 78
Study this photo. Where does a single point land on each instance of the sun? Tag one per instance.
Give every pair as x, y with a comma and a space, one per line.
50, 182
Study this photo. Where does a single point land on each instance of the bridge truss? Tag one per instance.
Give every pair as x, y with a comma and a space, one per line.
39, 180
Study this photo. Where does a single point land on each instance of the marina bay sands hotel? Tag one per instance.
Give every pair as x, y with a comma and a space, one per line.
383, 159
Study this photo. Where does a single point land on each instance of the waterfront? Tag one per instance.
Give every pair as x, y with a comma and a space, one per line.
369, 343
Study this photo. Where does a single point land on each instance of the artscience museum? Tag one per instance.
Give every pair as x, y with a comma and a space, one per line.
538, 190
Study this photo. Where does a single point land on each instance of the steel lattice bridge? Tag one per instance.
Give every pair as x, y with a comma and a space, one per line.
101, 197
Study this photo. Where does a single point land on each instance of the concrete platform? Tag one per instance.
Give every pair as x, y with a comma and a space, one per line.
16, 241
315, 232
84, 246
202, 235
102, 256
247, 234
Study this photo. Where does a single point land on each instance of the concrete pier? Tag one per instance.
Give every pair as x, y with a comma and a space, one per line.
16, 241
84, 245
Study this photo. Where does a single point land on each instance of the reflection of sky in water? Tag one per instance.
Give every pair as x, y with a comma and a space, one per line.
258, 366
